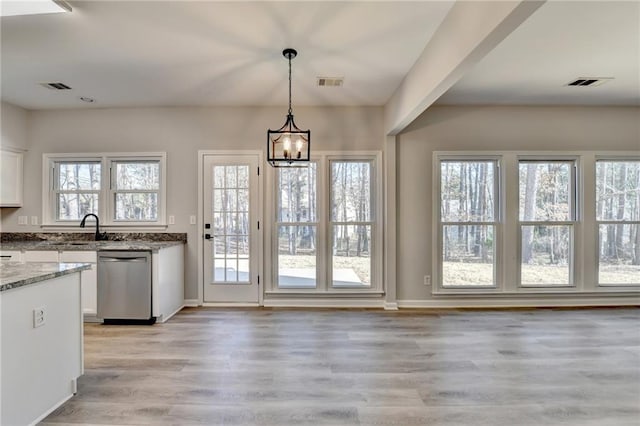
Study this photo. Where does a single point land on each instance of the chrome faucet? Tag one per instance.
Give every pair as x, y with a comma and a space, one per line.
99, 236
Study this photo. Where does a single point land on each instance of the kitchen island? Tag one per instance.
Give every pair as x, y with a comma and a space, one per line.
41, 329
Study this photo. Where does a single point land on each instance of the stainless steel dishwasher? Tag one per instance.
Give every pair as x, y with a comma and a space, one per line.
124, 287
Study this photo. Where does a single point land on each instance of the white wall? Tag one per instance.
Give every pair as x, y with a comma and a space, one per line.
450, 128
13, 126
181, 132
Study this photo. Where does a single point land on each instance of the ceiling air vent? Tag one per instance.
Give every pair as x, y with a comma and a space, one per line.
56, 86
589, 81
330, 81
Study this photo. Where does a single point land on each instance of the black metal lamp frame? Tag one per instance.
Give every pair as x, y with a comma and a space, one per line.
289, 146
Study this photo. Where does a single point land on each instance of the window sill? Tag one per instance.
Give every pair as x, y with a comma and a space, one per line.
332, 293
541, 291
103, 228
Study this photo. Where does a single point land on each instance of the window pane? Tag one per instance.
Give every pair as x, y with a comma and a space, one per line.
78, 176
545, 191
351, 255
618, 190
546, 255
468, 255
138, 175
297, 256
73, 206
467, 191
350, 191
136, 206
619, 254
297, 194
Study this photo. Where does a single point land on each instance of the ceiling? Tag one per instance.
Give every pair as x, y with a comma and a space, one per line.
208, 53
560, 42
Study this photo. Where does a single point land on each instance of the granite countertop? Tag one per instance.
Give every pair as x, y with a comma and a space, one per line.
18, 274
84, 245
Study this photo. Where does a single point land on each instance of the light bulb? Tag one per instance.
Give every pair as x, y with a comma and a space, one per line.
287, 143
299, 145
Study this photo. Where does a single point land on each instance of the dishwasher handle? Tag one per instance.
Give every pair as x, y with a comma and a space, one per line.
122, 259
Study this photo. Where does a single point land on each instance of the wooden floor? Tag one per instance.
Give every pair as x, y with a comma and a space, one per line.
348, 367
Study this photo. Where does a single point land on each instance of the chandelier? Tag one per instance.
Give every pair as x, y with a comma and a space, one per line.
289, 146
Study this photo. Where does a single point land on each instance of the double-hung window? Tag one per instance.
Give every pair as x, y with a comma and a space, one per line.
468, 220
297, 227
123, 190
618, 221
327, 232
135, 189
76, 189
352, 223
547, 215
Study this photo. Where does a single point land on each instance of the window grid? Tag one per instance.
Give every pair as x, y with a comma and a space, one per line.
231, 224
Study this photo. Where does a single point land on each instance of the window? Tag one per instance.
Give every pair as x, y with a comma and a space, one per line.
121, 190
468, 221
297, 227
547, 195
76, 189
327, 233
618, 221
351, 223
231, 223
135, 186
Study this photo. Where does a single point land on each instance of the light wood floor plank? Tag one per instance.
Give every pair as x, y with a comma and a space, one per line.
575, 367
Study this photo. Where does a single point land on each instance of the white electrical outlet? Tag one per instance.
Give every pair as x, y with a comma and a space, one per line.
427, 280
38, 317
172, 220
192, 220
34, 220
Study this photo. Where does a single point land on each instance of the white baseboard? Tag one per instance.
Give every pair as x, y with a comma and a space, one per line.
51, 410
323, 303
230, 305
529, 302
191, 303
90, 317
390, 306
165, 319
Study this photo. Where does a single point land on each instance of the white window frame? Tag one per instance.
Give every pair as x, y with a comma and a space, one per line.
106, 194
497, 223
575, 214
612, 158
323, 259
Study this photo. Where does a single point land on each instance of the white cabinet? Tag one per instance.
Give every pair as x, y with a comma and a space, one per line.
10, 178
89, 278
12, 255
40, 256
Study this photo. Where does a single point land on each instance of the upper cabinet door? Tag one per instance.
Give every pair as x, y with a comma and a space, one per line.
10, 179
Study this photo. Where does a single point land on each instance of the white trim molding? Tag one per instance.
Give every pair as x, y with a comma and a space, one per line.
520, 302
318, 302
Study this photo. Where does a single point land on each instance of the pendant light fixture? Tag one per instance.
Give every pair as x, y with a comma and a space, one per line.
289, 146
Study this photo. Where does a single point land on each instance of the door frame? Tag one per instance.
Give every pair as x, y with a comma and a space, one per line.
200, 224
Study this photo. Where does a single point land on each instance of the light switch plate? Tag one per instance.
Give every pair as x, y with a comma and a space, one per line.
34, 220
192, 220
172, 220
23, 220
